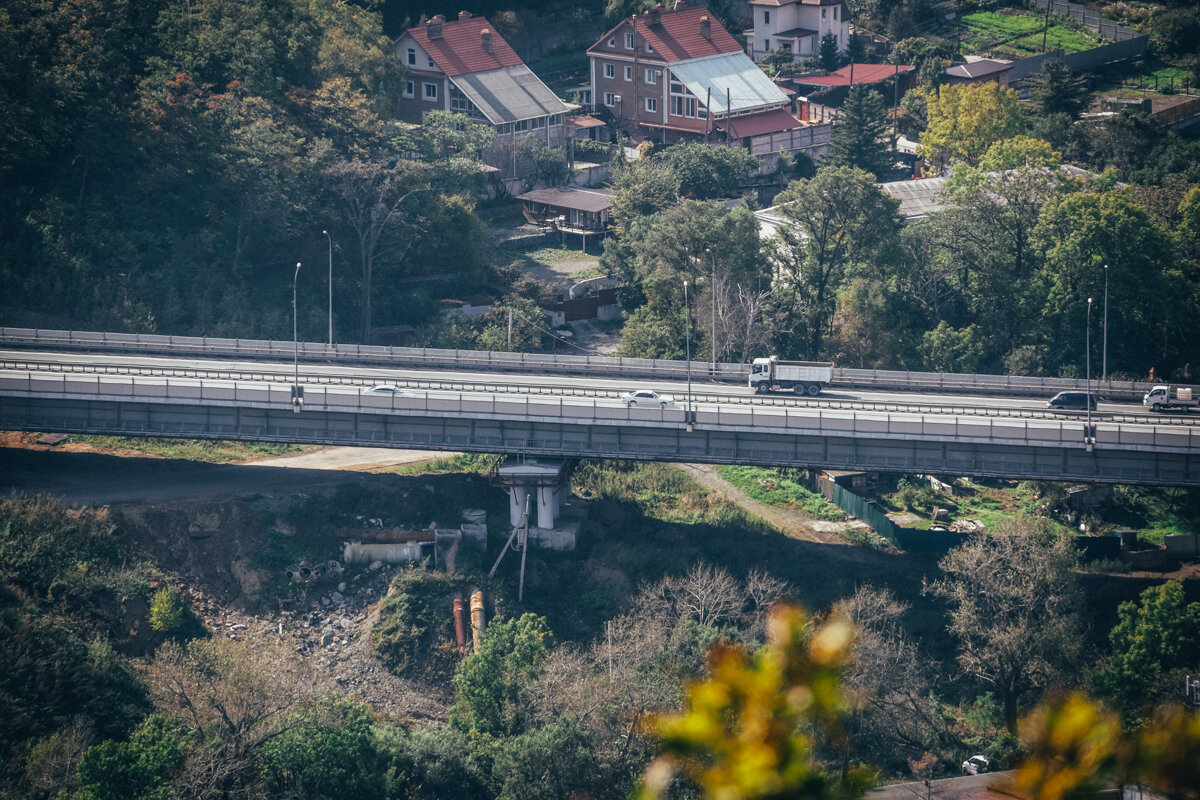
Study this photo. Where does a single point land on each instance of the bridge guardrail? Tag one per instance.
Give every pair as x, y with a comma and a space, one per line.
747, 419
606, 366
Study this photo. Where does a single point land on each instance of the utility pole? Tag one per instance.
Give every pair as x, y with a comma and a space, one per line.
1088, 346
687, 321
1104, 358
510, 330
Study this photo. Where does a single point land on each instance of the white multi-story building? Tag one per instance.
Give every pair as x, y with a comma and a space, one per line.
796, 27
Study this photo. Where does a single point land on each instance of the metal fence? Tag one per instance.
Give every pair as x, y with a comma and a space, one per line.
1088, 18
867, 511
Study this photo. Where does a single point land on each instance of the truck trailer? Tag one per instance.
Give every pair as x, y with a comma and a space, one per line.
1167, 398
801, 377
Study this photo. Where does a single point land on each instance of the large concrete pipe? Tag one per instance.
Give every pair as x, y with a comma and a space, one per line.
478, 620
460, 623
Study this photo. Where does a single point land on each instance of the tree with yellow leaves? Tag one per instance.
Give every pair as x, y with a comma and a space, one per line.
748, 731
966, 120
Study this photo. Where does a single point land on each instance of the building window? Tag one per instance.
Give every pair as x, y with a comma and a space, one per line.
538, 122
610, 99
652, 105
610, 71
503, 130
430, 91
766, 18
612, 41
459, 101
701, 113
629, 73
835, 13
767, 45
629, 41
412, 57
521, 125
431, 64
556, 119
649, 47
652, 76
409, 89
823, 10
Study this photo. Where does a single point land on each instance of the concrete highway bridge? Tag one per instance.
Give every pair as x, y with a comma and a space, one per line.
570, 406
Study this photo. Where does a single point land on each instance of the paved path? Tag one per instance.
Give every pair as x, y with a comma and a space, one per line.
793, 523
944, 789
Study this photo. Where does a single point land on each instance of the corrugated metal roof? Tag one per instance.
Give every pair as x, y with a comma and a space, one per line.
917, 198
733, 75
774, 121
566, 197
509, 94
977, 69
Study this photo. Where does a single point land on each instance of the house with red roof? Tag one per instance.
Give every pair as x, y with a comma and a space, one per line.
796, 27
465, 66
678, 75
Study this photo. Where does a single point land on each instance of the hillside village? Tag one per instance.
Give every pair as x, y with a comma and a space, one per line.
939, 191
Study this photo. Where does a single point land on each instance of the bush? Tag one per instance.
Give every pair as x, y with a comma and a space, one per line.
415, 632
596, 152
166, 612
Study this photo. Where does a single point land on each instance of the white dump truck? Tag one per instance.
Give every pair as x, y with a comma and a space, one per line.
801, 377
1166, 398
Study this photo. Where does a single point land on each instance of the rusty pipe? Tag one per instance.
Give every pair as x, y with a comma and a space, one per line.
460, 623
478, 620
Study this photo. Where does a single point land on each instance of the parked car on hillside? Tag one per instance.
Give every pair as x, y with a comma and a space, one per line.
976, 765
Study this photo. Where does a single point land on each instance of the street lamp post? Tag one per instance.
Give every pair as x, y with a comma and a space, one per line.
297, 395
1088, 373
687, 337
330, 238
713, 287
1104, 357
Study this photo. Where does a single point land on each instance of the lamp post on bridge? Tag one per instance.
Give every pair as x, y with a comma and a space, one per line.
297, 392
1104, 357
713, 287
1087, 437
687, 337
330, 238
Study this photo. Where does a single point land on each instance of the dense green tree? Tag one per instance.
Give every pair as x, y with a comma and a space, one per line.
641, 188
428, 762
327, 754
140, 769
1014, 608
831, 59
707, 173
860, 138
552, 761
966, 119
947, 349
1150, 326
1154, 641
492, 684
1055, 89
837, 219
1176, 31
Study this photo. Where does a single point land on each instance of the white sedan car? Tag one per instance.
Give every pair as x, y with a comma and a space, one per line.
645, 397
975, 765
386, 390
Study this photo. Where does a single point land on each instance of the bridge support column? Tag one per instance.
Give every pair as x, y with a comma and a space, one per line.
548, 481
516, 503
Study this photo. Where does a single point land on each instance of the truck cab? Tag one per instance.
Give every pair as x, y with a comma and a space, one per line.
760, 372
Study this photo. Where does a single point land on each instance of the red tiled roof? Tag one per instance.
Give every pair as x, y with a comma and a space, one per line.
863, 73
759, 124
460, 49
677, 37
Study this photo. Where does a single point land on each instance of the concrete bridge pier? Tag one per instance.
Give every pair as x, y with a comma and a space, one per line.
548, 481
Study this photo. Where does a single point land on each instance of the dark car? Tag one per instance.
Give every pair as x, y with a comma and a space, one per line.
1079, 401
